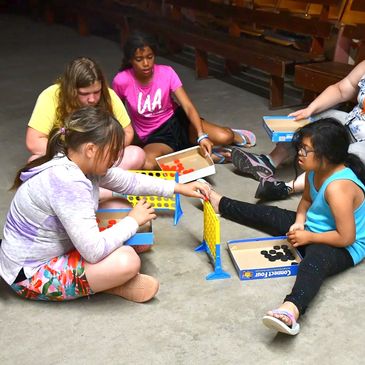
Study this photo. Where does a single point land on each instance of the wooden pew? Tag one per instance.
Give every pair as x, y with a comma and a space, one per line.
260, 54
313, 78
274, 60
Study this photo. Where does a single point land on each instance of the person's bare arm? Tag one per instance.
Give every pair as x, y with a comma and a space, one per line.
36, 142
343, 197
193, 116
342, 91
129, 134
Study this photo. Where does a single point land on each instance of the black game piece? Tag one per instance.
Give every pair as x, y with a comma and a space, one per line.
264, 252
284, 258
272, 252
272, 258
294, 263
280, 254
276, 247
284, 247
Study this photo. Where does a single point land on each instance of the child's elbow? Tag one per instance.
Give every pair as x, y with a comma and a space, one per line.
348, 240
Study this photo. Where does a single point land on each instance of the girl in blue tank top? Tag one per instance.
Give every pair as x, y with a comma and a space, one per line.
328, 227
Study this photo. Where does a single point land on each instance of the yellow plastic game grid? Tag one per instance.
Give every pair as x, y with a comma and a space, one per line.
211, 242
160, 202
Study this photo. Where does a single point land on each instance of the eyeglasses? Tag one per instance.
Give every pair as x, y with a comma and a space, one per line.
303, 151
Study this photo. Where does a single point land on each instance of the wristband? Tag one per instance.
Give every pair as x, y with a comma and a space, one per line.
200, 138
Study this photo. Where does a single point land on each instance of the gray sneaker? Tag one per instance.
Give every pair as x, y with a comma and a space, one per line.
258, 166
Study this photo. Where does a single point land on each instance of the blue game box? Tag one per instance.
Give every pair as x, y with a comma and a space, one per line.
281, 128
254, 258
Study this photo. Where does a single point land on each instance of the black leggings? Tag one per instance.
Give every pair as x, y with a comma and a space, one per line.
319, 261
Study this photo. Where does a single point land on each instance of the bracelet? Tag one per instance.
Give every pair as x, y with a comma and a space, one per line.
200, 138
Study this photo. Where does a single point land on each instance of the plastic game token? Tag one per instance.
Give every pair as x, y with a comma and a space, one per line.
294, 263
276, 247
272, 252
284, 247
272, 258
284, 258
264, 252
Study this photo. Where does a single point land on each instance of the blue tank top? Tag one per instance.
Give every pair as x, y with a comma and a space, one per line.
320, 219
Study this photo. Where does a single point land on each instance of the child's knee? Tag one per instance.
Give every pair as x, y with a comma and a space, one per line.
133, 159
128, 260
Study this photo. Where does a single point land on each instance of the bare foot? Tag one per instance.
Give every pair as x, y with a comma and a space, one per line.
214, 199
287, 306
140, 289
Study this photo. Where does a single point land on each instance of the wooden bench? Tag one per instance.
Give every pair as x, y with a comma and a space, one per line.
313, 78
166, 21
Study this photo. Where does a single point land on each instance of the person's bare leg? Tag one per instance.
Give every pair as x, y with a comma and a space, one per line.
118, 274
134, 158
152, 151
217, 134
214, 199
279, 154
297, 185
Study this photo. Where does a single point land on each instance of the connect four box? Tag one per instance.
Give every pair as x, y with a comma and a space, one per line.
282, 128
106, 218
264, 258
190, 164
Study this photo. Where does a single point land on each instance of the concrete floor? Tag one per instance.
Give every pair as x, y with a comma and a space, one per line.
192, 320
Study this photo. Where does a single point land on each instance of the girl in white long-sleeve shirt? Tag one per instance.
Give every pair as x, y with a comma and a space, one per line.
52, 248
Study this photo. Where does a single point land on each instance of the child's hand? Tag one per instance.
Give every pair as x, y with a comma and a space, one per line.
206, 144
194, 189
296, 227
142, 212
299, 238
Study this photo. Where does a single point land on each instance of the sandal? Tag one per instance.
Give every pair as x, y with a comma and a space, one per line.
221, 153
248, 138
280, 326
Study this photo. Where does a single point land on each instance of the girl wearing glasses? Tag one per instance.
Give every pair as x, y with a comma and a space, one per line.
262, 167
328, 227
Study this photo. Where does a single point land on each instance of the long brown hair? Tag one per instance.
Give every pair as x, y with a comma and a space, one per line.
85, 125
79, 73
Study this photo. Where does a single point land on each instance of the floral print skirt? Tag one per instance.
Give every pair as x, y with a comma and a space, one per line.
62, 278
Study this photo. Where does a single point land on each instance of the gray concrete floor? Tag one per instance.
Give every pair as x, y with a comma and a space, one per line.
192, 320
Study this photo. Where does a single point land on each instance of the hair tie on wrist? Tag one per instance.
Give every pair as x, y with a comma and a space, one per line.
200, 138
63, 131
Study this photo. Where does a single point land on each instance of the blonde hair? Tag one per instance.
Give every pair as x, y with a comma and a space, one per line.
87, 124
79, 73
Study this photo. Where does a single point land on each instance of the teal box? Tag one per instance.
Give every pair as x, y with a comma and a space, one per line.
251, 263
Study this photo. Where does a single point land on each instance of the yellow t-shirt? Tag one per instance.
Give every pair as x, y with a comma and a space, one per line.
44, 113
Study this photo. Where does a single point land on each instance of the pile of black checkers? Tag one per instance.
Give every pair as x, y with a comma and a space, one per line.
281, 253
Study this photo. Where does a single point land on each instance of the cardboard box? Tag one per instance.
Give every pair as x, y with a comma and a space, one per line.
107, 217
251, 264
195, 164
282, 128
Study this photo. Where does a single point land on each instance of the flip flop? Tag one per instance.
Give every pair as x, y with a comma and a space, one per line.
218, 151
248, 138
280, 326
